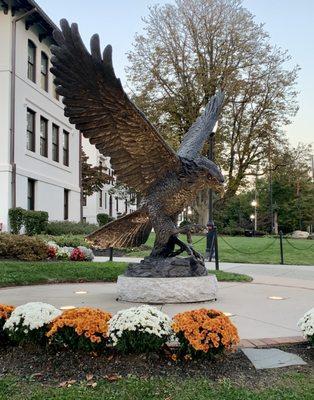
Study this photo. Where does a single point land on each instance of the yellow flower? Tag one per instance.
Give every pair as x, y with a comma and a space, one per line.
205, 329
84, 320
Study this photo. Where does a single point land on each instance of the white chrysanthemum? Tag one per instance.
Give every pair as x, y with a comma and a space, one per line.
53, 244
142, 319
64, 252
32, 316
306, 324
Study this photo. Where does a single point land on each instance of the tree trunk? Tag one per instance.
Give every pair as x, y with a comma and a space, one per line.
200, 205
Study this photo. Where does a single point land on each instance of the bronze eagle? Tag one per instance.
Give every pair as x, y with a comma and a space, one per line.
97, 105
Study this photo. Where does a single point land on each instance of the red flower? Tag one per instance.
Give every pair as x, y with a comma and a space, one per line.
77, 255
52, 252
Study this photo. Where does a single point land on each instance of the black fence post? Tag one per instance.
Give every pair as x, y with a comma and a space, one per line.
111, 254
216, 250
281, 247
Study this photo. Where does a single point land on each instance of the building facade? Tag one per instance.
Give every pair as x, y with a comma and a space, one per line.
39, 148
105, 201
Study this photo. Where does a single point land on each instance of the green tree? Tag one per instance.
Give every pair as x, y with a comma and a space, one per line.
93, 177
192, 48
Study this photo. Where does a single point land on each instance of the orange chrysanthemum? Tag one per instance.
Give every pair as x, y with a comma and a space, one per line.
90, 322
5, 311
205, 329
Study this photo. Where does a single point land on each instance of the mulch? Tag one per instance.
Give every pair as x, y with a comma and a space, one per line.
54, 367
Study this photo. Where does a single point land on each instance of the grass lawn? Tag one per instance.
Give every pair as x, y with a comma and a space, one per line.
292, 386
264, 250
13, 273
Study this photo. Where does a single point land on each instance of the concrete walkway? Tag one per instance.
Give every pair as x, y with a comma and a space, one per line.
255, 315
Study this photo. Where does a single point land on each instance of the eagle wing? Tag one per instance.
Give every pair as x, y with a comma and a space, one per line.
195, 138
98, 106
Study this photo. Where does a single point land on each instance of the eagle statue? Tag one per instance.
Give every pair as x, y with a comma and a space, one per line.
167, 181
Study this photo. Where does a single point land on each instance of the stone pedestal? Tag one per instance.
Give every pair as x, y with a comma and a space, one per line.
167, 290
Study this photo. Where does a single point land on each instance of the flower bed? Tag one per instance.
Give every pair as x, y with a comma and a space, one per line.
204, 332
29, 322
80, 253
136, 330
82, 328
139, 329
306, 324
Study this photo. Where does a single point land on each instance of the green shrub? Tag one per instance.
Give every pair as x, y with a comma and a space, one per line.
66, 240
35, 222
58, 228
22, 247
16, 218
103, 219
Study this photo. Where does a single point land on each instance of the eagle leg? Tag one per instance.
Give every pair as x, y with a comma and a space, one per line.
186, 247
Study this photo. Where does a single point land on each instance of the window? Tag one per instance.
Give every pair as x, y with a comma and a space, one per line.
84, 201
55, 94
44, 71
31, 61
84, 220
30, 142
100, 198
66, 148
110, 206
117, 204
66, 204
30, 194
55, 143
126, 206
43, 137
106, 201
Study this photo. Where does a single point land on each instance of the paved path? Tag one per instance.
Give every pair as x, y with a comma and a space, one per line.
255, 315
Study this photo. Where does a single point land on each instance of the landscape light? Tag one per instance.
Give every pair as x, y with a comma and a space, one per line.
276, 298
189, 211
252, 216
254, 203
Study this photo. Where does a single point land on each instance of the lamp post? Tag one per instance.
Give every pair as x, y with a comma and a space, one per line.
254, 204
211, 242
211, 157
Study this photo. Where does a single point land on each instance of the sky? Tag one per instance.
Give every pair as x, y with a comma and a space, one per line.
290, 24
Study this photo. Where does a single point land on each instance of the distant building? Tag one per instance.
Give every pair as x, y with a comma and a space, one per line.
104, 201
39, 148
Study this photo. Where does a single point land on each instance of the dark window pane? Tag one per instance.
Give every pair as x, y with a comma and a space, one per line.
66, 204
44, 72
30, 194
31, 61
100, 198
55, 143
43, 137
66, 148
30, 130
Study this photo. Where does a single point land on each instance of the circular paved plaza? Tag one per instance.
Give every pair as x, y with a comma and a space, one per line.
270, 306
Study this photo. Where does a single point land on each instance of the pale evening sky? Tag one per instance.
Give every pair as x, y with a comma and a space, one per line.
290, 24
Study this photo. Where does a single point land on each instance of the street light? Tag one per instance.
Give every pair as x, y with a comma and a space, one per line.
211, 241
254, 204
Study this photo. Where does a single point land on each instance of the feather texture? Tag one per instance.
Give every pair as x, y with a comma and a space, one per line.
98, 106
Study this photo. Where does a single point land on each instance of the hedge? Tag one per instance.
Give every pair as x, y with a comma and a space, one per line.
35, 222
22, 247
58, 228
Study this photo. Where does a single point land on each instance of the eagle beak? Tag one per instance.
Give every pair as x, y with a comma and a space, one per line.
215, 174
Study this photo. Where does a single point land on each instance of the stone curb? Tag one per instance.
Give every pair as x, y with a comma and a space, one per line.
270, 342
